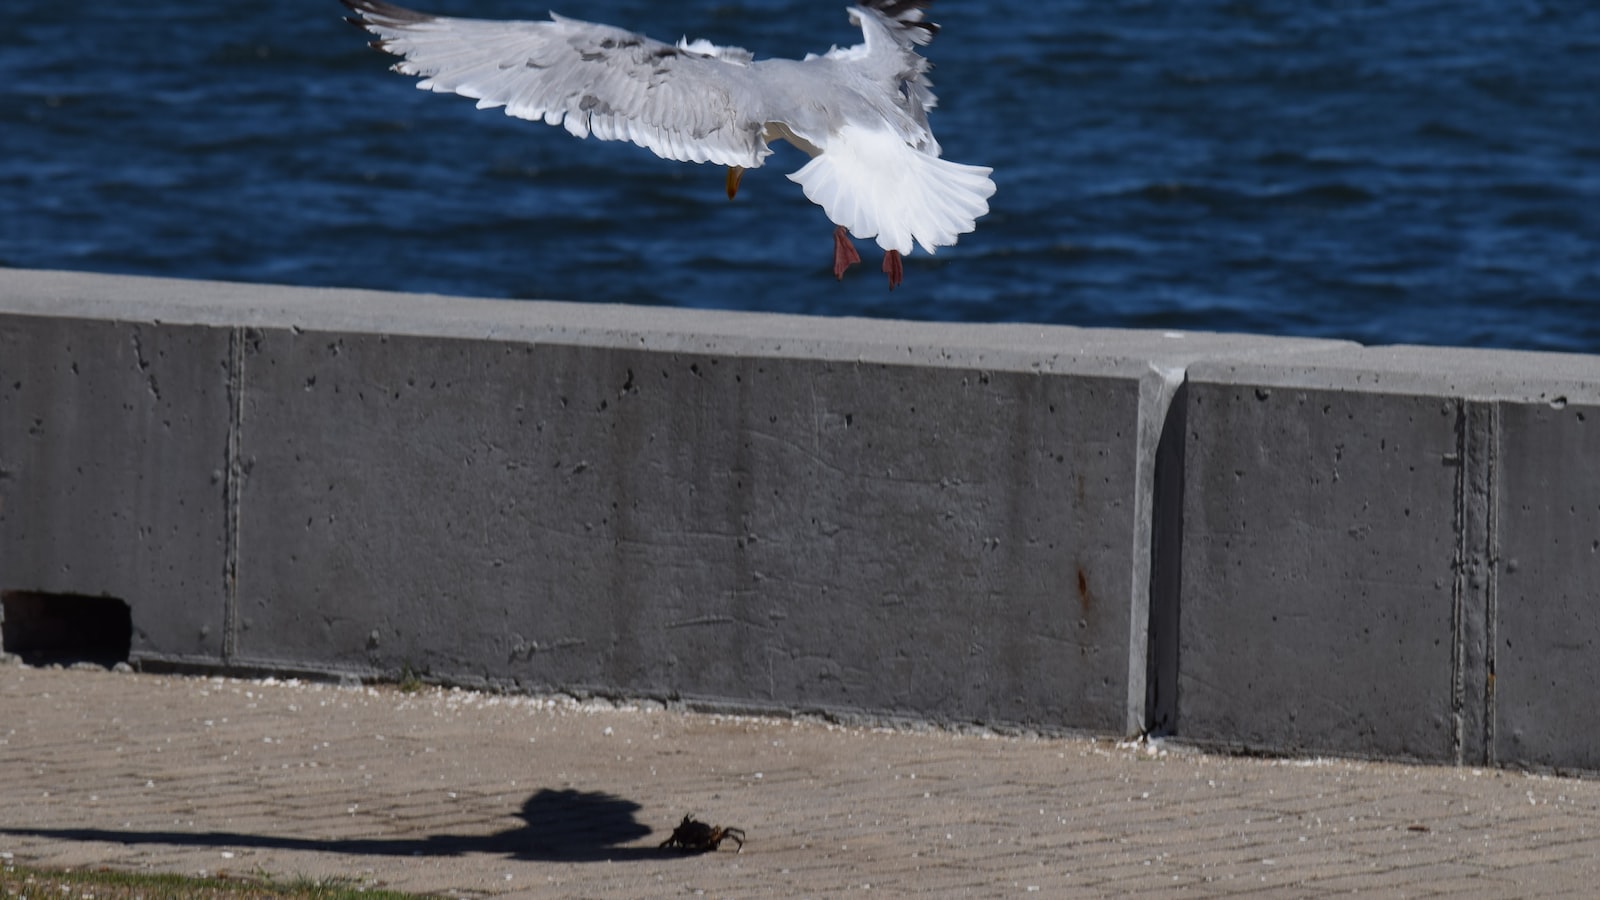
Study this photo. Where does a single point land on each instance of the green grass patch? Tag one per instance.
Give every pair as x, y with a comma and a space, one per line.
19, 881
410, 681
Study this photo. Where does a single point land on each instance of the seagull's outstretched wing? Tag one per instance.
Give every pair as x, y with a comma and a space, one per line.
860, 113
891, 31
686, 102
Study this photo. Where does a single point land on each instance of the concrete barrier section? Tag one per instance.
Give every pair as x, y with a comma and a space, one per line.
1354, 524
1281, 545
113, 448
781, 531
1546, 594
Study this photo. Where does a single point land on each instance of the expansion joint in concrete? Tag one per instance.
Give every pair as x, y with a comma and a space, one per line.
234, 476
1491, 568
1458, 593
1166, 566
1476, 458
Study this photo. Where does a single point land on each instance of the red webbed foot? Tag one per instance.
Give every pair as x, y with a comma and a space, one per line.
844, 252
892, 268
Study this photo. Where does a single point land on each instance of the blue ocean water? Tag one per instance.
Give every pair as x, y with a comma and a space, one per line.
1381, 170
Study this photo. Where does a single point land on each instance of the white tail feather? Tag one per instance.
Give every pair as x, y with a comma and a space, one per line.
877, 186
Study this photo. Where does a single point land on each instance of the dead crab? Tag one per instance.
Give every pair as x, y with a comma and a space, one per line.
692, 836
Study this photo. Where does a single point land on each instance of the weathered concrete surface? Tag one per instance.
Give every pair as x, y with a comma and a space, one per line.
785, 531
1351, 525
937, 521
1282, 545
1545, 649
113, 446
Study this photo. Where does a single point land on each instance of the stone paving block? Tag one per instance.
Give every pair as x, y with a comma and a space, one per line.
1404, 879
1581, 851
1472, 886
1151, 881
827, 816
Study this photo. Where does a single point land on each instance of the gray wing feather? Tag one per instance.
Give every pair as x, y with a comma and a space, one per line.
692, 103
860, 112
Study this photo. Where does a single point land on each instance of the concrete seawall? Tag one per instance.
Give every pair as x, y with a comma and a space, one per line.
1275, 544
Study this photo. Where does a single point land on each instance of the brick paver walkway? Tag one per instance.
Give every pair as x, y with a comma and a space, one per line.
475, 794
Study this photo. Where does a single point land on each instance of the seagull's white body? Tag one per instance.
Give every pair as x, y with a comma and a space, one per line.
860, 113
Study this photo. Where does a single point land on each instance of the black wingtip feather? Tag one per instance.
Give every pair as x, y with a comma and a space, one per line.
908, 14
373, 14
373, 10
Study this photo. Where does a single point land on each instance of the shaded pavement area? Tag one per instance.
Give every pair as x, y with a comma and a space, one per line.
473, 794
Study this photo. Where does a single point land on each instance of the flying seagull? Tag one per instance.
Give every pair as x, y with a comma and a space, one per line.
860, 113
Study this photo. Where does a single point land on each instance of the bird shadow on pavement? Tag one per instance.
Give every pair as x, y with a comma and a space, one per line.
558, 826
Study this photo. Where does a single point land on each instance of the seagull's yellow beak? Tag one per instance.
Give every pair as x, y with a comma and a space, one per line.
734, 174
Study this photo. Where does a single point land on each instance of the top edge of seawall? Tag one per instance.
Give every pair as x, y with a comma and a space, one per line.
1303, 362
998, 347
1472, 374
